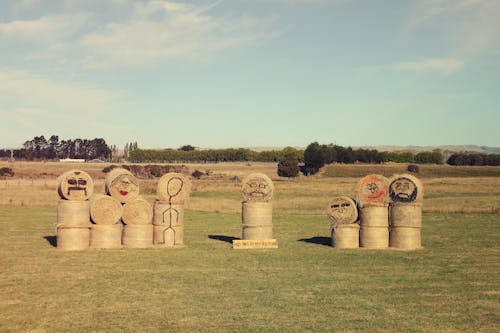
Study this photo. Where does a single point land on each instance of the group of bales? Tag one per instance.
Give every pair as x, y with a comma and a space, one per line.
386, 213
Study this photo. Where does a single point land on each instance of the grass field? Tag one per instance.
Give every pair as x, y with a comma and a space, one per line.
451, 285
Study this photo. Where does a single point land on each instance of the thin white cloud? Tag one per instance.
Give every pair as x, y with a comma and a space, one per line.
467, 27
45, 28
443, 66
161, 30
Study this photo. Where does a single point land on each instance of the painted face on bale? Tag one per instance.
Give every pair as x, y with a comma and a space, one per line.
403, 189
257, 187
342, 210
75, 185
373, 189
125, 186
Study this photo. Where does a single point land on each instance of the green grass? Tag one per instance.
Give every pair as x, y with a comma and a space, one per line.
450, 285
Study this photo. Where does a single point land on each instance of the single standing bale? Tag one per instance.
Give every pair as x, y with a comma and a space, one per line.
373, 189
374, 215
75, 185
257, 187
105, 209
106, 236
137, 236
345, 236
374, 237
137, 211
406, 215
173, 187
257, 220
405, 188
342, 210
405, 238
122, 185
73, 238
73, 213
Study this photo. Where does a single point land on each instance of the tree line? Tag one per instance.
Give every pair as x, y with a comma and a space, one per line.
474, 159
40, 148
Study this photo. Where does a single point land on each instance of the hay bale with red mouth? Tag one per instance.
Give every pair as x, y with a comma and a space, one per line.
373, 190
122, 185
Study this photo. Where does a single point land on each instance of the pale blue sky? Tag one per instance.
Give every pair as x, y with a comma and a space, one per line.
249, 73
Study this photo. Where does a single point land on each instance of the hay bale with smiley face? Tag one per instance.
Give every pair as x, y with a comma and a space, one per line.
405, 189
75, 185
342, 210
257, 187
373, 190
122, 185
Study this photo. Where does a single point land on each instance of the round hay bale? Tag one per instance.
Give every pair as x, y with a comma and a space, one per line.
342, 210
105, 209
405, 188
75, 185
406, 215
373, 189
173, 187
405, 238
73, 238
106, 236
257, 220
138, 236
345, 236
374, 215
257, 187
165, 236
137, 211
374, 237
73, 213
122, 185
166, 214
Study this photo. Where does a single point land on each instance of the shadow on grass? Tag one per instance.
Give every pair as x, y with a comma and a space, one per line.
326, 241
52, 240
222, 238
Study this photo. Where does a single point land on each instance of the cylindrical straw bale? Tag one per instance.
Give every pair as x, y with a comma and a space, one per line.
74, 213
406, 215
405, 188
106, 236
373, 189
75, 185
165, 236
374, 215
173, 187
257, 220
105, 209
73, 238
137, 211
405, 238
374, 237
169, 215
342, 210
345, 236
137, 236
122, 185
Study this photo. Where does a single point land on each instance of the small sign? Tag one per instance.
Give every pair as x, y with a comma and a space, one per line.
255, 244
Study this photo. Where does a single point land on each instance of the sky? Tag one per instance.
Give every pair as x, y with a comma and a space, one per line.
251, 73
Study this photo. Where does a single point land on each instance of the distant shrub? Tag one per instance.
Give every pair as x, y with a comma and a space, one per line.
288, 166
6, 172
197, 174
109, 168
413, 168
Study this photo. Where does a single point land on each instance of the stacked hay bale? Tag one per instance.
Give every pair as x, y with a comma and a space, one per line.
406, 195
138, 229
373, 212
73, 220
257, 212
168, 212
343, 215
106, 230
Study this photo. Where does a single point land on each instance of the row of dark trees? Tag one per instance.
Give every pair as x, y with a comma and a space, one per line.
40, 148
473, 159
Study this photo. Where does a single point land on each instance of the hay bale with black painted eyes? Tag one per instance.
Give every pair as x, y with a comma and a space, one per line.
122, 185
75, 185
